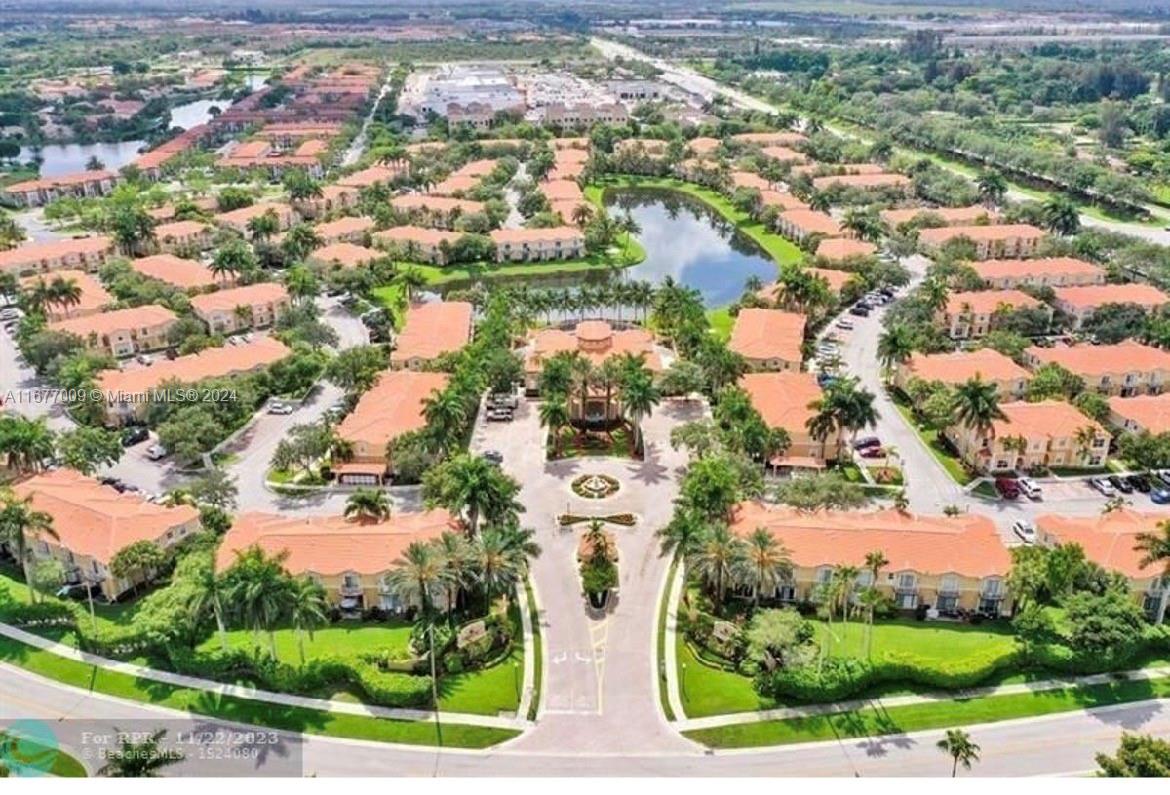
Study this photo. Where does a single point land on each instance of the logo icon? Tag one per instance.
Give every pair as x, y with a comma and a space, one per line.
28, 748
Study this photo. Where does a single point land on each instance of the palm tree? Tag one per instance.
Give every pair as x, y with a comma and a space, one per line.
258, 588
682, 534
308, 609
459, 562
368, 505
874, 561
638, 396
992, 187
1060, 215
139, 759
264, 226
582, 215
977, 406
957, 744
819, 201
446, 416
1155, 549
205, 597
717, 558
474, 486
895, 345
500, 563
19, 522
766, 564
1083, 439
410, 280
934, 294
554, 415
419, 577
25, 444
231, 259
65, 293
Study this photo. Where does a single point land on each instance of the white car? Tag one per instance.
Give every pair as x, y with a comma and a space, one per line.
845, 324
143, 358
1030, 489
276, 407
1024, 531
12, 313
156, 452
1103, 486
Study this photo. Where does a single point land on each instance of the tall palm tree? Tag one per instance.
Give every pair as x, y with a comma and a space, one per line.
26, 444
459, 562
264, 226
142, 759
1155, 549
410, 280
766, 564
446, 416
934, 294
977, 406
20, 522
499, 563
895, 345
717, 558
206, 597
554, 415
819, 201
992, 187
65, 293
1060, 215
957, 744
419, 577
368, 505
638, 395
472, 486
874, 561
258, 588
308, 609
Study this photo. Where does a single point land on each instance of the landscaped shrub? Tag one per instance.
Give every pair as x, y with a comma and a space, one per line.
40, 614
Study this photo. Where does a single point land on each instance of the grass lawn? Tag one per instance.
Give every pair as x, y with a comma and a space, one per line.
930, 641
706, 690
537, 652
594, 444
342, 638
721, 322
13, 589
876, 721
98, 680
486, 692
660, 643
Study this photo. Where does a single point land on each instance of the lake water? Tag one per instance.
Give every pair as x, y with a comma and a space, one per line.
71, 158
687, 240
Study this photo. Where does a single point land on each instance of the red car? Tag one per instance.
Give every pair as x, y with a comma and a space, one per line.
1007, 488
872, 452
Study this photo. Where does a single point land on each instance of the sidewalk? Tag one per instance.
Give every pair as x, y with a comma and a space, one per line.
519, 722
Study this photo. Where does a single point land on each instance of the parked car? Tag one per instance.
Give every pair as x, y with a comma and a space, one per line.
845, 324
1160, 495
1024, 531
155, 452
860, 310
500, 414
1161, 477
867, 441
503, 400
872, 452
494, 456
1007, 488
11, 313
1140, 483
1120, 484
1029, 488
279, 407
134, 435
143, 358
1103, 486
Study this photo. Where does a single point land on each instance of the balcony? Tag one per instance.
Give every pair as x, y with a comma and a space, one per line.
350, 589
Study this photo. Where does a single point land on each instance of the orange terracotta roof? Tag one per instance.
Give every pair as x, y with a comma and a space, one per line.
241, 216
138, 317
373, 175
703, 145
597, 340
746, 179
61, 181
959, 367
836, 279
768, 334
455, 184
952, 215
967, 545
985, 302
96, 521
347, 255
208, 363
250, 149
421, 235
440, 204
1044, 266
93, 295
185, 273
433, 329
228, 300
812, 222
1149, 412
181, 229
562, 190
547, 235
942, 234
784, 154
344, 226
862, 181
839, 248
1098, 360
392, 407
783, 398
1093, 296
1108, 539
24, 256
476, 168
332, 545
1052, 418
779, 138
785, 201
311, 148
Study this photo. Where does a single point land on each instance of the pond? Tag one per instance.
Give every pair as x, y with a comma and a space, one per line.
687, 240
61, 159
192, 114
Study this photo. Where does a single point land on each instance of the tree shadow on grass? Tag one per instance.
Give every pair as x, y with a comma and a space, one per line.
1132, 718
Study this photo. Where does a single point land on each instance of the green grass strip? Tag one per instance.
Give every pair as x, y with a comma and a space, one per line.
537, 651
876, 721
663, 692
261, 713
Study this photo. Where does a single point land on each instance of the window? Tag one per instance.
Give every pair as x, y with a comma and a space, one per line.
824, 575
992, 587
907, 581
949, 584
350, 581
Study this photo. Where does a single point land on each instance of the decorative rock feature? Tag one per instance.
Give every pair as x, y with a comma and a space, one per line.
595, 487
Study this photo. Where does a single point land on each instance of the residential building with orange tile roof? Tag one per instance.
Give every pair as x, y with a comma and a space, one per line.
1079, 303
945, 563
93, 296
1140, 413
436, 211
332, 198
93, 523
1051, 431
1110, 540
784, 155
559, 190
477, 169
185, 274
969, 315
455, 185
746, 179
996, 241
83, 254
959, 367
392, 407
349, 558
238, 220
783, 401
778, 138
781, 200
1040, 272
769, 339
417, 243
1126, 369
241, 308
837, 249
862, 181
598, 341
343, 255
703, 145
346, 229
951, 216
801, 223
38, 192
121, 332
538, 245
431, 330
184, 236
129, 392
383, 174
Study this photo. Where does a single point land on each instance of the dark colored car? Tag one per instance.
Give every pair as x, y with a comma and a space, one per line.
134, 435
1140, 483
1007, 488
1121, 484
868, 441
494, 456
861, 310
